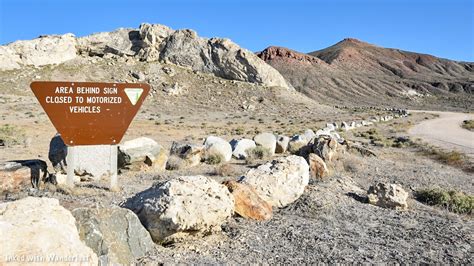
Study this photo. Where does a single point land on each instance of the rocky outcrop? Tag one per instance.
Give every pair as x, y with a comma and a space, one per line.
45, 50
220, 57
115, 234
247, 202
187, 205
217, 56
41, 228
385, 195
121, 42
142, 152
281, 181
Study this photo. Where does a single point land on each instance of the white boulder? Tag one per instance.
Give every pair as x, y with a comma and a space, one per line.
281, 181
215, 146
187, 205
40, 228
267, 140
239, 147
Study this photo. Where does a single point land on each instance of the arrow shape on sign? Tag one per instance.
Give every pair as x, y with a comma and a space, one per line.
133, 94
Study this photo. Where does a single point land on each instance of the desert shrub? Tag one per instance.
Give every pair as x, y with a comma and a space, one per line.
11, 135
214, 159
468, 124
257, 153
352, 164
227, 169
452, 200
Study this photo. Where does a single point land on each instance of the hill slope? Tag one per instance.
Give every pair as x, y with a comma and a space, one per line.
353, 72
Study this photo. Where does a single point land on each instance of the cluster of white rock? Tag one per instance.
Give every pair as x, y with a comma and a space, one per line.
376, 119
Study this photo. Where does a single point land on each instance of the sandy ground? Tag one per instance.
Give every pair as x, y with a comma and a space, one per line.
446, 131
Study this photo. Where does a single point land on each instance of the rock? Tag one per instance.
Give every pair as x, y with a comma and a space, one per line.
385, 195
317, 167
215, 146
142, 152
220, 57
119, 42
247, 202
174, 90
239, 147
326, 148
140, 76
33, 227
267, 140
45, 50
187, 205
192, 154
115, 234
16, 175
296, 143
309, 134
281, 181
152, 36
282, 144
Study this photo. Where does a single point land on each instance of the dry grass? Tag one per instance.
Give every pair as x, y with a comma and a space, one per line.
452, 200
256, 154
214, 159
11, 135
468, 124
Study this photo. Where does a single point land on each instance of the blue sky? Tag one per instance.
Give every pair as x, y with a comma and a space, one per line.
442, 28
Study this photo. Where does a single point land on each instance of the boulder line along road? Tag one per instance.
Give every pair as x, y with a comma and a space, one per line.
446, 131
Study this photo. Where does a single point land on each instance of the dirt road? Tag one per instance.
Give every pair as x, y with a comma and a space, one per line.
446, 131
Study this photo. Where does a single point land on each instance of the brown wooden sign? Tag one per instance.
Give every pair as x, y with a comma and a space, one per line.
89, 113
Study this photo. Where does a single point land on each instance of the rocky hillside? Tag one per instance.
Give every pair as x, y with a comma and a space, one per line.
354, 72
149, 43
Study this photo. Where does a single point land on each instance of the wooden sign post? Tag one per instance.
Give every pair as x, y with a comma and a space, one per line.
89, 113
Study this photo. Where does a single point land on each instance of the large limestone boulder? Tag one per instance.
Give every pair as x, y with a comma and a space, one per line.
41, 228
45, 50
247, 202
215, 146
187, 205
17, 175
239, 147
119, 42
115, 234
281, 181
385, 195
267, 140
141, 152
282, 144
220, 57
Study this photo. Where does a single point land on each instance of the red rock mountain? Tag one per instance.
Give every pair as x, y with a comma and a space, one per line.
355, 72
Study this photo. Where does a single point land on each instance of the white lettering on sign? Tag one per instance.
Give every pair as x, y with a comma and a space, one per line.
90, 97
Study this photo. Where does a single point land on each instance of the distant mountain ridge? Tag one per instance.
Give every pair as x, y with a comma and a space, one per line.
358, 72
